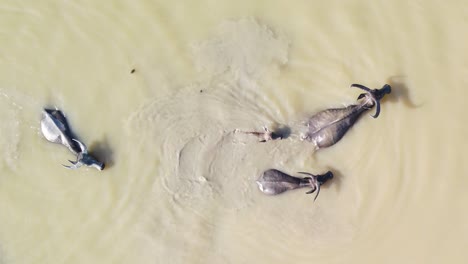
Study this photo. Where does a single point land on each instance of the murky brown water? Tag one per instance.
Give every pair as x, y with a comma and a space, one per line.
180, 185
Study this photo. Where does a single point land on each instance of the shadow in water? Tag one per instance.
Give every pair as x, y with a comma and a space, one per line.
400, 92
102, 151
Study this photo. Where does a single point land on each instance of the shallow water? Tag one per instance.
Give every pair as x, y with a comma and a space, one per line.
179, 186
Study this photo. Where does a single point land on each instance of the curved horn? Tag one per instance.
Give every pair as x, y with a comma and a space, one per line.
360, 86
82, 146
76, 165
317, 186
313, 181
377, 105
306, 173
375, 95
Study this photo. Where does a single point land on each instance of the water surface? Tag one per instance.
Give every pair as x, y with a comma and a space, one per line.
179, 186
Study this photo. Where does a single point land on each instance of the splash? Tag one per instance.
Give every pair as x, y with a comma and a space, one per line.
201, 156
204, 160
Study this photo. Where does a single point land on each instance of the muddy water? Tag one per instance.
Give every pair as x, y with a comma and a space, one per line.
179, 186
